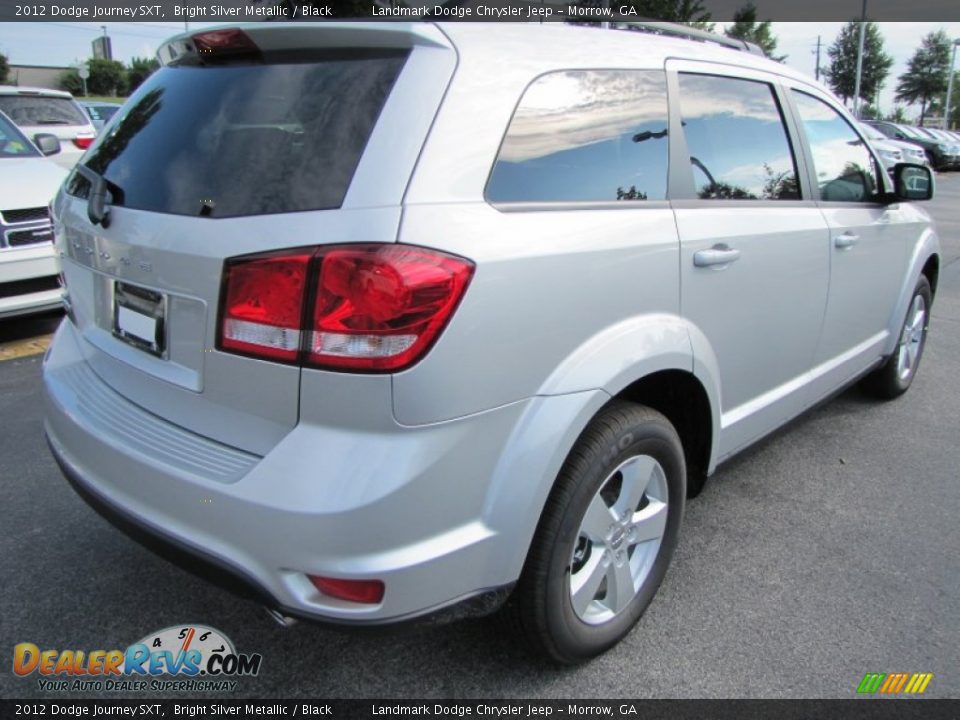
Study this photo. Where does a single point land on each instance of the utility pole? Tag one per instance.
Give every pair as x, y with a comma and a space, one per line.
816, 70
856, 89
953, 61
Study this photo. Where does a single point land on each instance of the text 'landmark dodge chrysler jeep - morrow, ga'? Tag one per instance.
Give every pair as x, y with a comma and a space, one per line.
382, 321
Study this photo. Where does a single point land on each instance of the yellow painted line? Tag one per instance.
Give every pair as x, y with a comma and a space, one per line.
25, 348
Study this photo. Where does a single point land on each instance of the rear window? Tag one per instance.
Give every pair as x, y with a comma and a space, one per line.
31, 110
250, 139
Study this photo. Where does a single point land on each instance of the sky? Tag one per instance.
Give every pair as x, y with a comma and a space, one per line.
64, 43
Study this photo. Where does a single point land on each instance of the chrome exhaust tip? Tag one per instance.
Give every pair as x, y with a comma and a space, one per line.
279, 618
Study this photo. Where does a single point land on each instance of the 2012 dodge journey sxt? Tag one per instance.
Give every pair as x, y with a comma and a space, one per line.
380, 321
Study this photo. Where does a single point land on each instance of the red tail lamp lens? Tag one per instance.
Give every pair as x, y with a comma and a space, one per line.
367, 592
380, 307
263, 305
374, 308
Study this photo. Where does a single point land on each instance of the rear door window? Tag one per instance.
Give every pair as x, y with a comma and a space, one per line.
32, 110
245, 139
738, 143
586, 136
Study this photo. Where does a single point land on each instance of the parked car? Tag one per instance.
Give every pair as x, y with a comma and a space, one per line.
100, 112
952, 143
942, 155
909, 152
891, 152
39, 110
28, 181
949, 145
481, 362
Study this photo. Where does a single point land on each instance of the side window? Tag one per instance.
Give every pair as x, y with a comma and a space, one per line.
845, 169
738, 143
586, 136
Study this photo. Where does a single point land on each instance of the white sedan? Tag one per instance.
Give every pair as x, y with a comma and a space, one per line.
29, 273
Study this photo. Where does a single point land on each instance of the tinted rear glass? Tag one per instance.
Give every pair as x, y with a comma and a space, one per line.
251, 139
28, 110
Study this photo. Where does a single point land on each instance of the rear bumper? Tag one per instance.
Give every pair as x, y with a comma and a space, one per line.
427, 510
233, 579
17, 267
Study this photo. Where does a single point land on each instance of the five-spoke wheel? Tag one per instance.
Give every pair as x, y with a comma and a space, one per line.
606, 535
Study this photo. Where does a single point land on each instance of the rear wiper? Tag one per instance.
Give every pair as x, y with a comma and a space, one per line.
52, 121
97, 209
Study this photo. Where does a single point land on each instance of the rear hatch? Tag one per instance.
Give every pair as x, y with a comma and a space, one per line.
273, 137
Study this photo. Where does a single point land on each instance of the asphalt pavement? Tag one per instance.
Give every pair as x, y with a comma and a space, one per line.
827, 551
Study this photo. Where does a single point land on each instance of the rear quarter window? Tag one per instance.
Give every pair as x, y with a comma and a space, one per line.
586, 136
245, 139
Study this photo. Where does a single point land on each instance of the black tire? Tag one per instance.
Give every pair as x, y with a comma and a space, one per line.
890, 380
541, 604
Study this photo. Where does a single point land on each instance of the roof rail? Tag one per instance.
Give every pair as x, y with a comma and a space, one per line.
688, 32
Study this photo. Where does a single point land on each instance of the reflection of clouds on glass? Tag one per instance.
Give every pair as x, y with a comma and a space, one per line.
704, 96
736, 138
832, 157
566, 110
755, 177
841, 160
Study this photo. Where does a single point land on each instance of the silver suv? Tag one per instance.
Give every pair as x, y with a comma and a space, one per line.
383, 321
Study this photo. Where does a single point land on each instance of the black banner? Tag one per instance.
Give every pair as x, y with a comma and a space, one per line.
380, 709
459, 10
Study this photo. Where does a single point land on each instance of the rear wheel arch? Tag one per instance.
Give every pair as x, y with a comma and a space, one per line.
682, 399
931, 269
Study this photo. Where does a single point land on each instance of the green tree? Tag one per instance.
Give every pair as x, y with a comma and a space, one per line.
870, 112
140, 69
689, 12
71, 82
841, 74
746, 27
927, 72
899, 115
4, 69
107, 77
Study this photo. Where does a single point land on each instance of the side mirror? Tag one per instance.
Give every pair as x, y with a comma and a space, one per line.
912, 182
47, 143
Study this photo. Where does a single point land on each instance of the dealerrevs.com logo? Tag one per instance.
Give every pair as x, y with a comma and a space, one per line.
200, 658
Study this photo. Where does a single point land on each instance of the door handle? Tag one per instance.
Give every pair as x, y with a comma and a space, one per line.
846, 240
721, 254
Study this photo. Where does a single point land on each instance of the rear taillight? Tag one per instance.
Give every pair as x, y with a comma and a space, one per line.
370, 307
83, 142
262, 305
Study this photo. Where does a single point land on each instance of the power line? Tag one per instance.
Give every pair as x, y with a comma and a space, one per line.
169, 31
